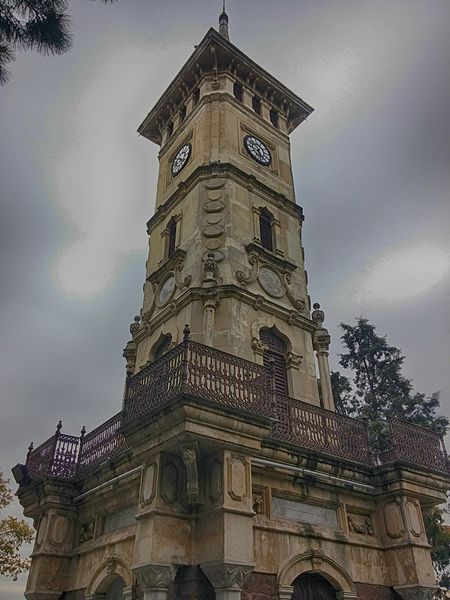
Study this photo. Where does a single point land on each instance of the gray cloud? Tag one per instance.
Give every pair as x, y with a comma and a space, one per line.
371, 171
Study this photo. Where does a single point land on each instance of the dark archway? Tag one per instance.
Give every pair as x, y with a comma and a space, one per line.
115, 589
311, 586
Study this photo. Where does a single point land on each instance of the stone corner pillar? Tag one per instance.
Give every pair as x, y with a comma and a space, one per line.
227, 579
321, 342
155, 580
416, 592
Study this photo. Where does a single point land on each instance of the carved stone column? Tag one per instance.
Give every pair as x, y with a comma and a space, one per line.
321, 342
210, 298
285, 592
416, 592
128, 593
227, 578
155, 580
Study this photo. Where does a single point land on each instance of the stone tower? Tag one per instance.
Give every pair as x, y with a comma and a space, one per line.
226, 475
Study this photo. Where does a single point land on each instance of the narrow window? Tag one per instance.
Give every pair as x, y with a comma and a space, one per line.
274, 118
238, 91
196, 96
169, 129
266, 229
163, 346
275, 354
183, 112
171, 237
256, 103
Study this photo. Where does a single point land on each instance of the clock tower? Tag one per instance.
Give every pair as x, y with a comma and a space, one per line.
226, 475
226, 251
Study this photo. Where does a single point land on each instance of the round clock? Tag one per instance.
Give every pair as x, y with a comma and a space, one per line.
257, 150
166, 290
181, 158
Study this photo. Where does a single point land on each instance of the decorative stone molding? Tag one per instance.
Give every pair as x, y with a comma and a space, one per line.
237, 478
316, 561
224, 575
416, 592
112, 565
361, 524
192, 484
148, 484
156, 576
293, 360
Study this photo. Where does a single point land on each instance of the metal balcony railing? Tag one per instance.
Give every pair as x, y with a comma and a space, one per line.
199, 371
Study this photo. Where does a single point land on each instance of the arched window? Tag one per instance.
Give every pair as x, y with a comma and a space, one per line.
169, 129
274, 118
276, 352
266, 229
311, 586
183, 112
163, 346
171, 237
238, 91
196, 96
256, 103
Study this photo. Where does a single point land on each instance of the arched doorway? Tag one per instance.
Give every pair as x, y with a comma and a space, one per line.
311, 586
276, 351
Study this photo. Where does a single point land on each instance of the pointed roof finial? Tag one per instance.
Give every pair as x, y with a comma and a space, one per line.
223, 23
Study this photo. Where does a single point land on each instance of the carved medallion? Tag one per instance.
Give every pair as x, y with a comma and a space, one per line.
271, 282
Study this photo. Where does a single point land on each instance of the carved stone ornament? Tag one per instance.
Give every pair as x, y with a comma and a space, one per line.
271, 282
87, 531
226, 575
416, 592
135, 326
192, 484
155, 576
244, 279
360, 524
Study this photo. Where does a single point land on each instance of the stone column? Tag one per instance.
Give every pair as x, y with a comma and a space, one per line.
128, 593
227, 578
155, 580
321, 342
210, 298
285, 592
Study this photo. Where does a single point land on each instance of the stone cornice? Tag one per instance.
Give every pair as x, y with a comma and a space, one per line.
230, 171
283, 264
229, 58
293, 317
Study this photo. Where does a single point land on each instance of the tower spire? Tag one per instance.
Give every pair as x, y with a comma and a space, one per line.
223, 23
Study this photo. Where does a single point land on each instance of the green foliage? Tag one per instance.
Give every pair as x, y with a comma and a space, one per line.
41, 25
377, 391
13, 533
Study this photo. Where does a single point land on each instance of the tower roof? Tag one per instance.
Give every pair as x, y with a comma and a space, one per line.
215, 51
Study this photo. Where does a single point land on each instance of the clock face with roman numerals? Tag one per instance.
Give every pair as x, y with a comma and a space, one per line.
181, 158
257, 150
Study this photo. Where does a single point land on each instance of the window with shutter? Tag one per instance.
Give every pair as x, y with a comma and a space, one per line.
172, 237
275, 353
265, 229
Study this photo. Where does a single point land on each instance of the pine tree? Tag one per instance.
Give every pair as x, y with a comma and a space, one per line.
41, 25
377, 391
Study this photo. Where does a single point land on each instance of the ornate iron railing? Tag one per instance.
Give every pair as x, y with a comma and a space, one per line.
221, 378
201, 371
415, 445
102, 443
302, 424
56, 457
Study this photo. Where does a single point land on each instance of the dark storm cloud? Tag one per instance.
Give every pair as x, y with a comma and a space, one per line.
77, 185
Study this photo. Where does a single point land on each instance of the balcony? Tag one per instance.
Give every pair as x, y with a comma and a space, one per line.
198, 371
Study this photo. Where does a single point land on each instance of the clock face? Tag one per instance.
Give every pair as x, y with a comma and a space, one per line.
181, 159
166, 290
257, 150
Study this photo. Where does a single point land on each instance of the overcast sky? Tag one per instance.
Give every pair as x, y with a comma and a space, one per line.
371, 168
